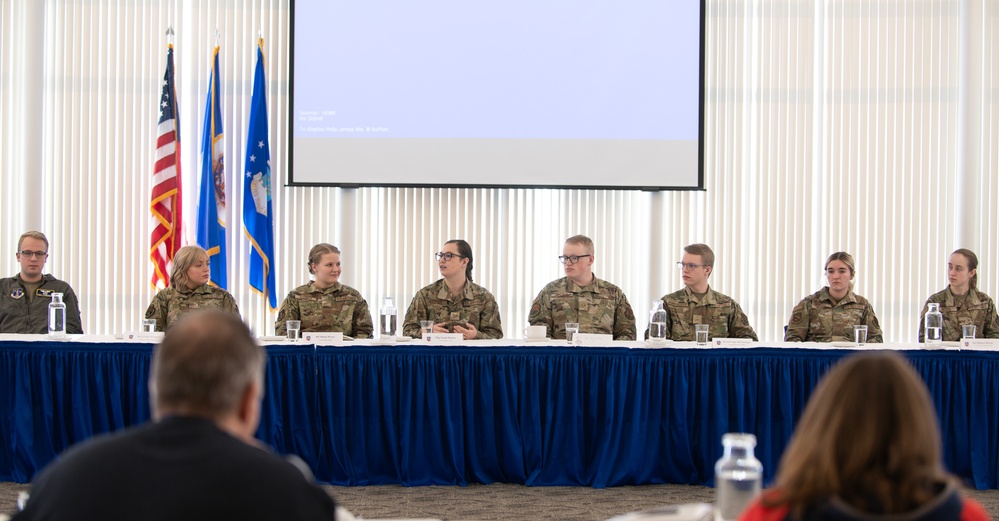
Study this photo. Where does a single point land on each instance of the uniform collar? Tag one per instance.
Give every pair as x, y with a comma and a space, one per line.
45, 278
204, 288
708, 298
849, 298
592, 287
332, 289
951, 300
444, 293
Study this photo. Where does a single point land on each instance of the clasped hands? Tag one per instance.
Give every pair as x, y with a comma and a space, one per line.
467, 333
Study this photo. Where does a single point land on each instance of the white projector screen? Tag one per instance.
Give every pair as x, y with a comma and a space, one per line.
538, 93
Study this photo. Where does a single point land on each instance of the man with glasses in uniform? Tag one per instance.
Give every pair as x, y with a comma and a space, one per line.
597, 305
697, 303
25, 297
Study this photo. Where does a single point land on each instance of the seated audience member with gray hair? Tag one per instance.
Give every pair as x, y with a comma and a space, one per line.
197, 459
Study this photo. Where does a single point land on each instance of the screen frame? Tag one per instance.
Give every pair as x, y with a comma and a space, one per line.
290, 158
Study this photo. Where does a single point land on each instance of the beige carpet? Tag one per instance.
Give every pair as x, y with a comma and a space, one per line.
499, 501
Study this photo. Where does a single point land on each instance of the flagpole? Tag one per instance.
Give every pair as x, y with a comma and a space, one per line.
169, 35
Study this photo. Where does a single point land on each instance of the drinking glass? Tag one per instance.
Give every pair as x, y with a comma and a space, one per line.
968, 331
571, 328
294, 328
149, 325
426, 327
701, 334
860, 335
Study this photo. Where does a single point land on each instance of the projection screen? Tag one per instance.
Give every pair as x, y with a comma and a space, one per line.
532, 93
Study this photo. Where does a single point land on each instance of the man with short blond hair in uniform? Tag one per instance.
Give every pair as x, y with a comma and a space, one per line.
597, 305
697, 303
25, 297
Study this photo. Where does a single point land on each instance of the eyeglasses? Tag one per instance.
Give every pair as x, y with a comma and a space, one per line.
447, 256
690, 265
39, 254
571, 259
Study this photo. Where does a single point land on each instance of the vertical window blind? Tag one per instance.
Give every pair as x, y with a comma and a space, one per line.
868, 127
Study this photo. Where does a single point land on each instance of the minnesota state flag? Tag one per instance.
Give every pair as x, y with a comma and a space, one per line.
258, 214
212, 199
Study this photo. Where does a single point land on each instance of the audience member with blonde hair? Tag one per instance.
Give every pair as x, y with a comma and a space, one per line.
189, 290
866, 448
829, 314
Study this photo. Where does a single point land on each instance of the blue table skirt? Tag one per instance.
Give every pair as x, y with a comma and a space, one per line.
539, 415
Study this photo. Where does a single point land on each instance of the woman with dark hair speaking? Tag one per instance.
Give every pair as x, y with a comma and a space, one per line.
866, 448
454, 303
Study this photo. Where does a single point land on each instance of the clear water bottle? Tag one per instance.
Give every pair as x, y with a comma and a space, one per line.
933, 325
738, 476
389, 316
57, 316
657, 323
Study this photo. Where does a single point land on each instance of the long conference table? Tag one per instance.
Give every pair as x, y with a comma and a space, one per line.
492, 411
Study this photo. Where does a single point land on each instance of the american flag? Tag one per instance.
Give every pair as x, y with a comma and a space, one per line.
258, 210
164, 202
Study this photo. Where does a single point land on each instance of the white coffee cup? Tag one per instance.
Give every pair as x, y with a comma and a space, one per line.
535, 332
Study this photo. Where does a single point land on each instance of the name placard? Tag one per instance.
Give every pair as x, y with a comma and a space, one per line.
733, 342
323, 339
592, 339
985, 344
146, 338
441, 339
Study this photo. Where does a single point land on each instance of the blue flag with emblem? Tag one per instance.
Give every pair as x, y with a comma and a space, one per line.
212, 198
258, 215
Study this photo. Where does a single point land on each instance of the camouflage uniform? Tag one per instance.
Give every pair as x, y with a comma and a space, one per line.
724, 316
599, 307
169, 304
19, 314
978, 309
817, 319
337, 309
475, 305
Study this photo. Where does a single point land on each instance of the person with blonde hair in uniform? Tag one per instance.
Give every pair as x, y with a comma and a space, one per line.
189, 290
326, 305
598, 306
